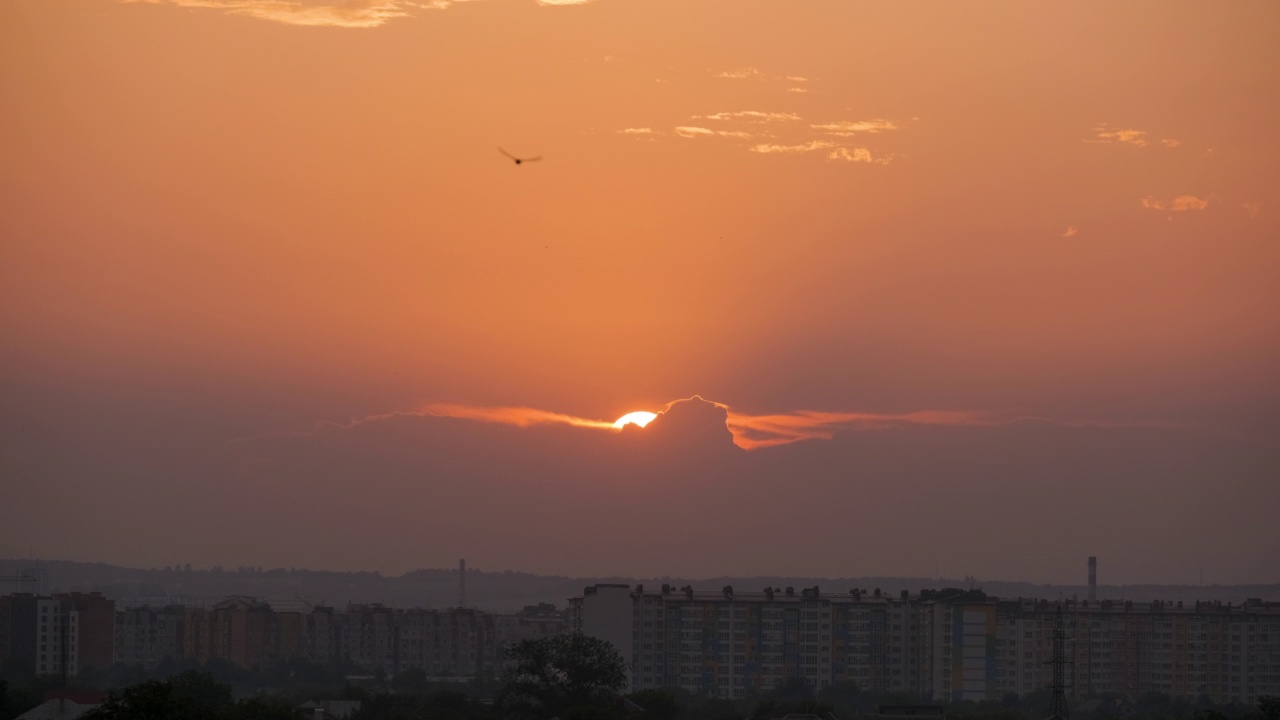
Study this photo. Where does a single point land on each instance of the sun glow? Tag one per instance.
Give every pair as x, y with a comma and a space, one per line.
640, 418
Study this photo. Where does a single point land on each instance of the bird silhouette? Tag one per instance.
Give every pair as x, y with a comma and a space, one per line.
519, 160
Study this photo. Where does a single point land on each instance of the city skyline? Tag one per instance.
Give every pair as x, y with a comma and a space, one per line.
929, 290
728, 643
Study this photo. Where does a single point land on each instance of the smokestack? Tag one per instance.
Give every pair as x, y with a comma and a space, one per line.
1093, 579
462, 583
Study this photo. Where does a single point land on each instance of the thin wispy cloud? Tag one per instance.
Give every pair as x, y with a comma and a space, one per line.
1181, 203
751, 116
636, 131
518, 416
754, 73
344, 14
1254, 209
802, 148
1188, 202
741, 73
756, 431
858, 154
798, 90
1128, 136
1069, 232
696, 132
327, 13
845, 128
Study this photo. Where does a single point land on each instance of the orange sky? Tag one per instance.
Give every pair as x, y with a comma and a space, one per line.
227, 219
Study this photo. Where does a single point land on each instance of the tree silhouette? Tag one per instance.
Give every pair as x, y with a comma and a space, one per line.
188, 696
553, 676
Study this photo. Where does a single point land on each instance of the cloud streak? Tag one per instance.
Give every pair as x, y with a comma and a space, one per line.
847, 128
1188, 202
758, 431
859, 154
751, 116
343, 14
802, 148
1128, 136
687, 131
1181, 203
327, 13
741, 73
518, 416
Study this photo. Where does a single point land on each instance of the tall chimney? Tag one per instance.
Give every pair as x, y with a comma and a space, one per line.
1093, 579
462, 582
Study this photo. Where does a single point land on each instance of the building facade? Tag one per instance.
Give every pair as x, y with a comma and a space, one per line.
146, 636
733, 644
450, 643
944, 645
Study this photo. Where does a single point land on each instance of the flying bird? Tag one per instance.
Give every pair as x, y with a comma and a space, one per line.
519, 160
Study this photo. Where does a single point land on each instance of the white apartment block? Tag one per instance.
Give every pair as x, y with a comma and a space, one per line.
57, 637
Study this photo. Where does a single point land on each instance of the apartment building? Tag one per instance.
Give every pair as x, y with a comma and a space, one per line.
734, 644
1229, 653
146, 636
19, 633
58, 634
946, 645
66, 633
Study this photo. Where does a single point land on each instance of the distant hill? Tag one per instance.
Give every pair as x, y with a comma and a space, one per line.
507, 590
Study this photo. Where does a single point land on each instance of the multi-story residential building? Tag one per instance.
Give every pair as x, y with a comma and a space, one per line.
146, 636
946, 645
964, 661
96, 620
62, 634
71, 632
733, 644
57, 637
197, 634
322, 635
368, 637
1227, 653
448, 643
18, 634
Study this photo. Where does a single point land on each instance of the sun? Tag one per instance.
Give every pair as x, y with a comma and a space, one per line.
639, 417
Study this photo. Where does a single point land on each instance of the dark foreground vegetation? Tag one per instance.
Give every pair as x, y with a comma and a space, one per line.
566, 677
